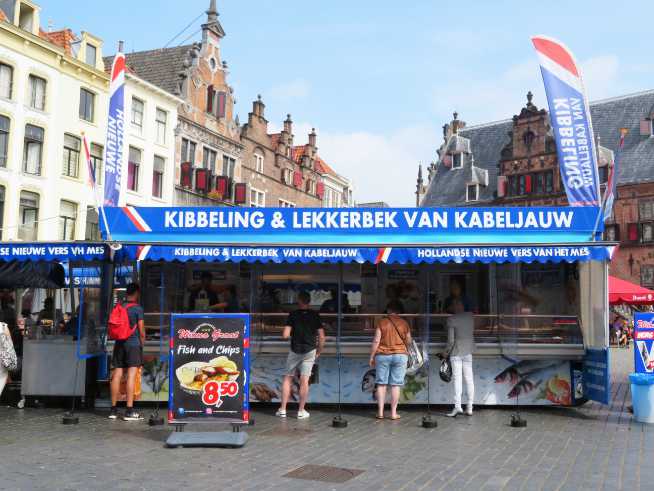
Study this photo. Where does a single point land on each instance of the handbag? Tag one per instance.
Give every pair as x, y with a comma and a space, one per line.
445, 370
415, 360
8, 358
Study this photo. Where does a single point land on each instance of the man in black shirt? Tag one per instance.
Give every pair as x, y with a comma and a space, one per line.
307, 334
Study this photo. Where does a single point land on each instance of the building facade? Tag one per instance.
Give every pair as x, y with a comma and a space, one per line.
514, 163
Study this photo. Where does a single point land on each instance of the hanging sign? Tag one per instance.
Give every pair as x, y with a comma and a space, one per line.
209, 368
643, 341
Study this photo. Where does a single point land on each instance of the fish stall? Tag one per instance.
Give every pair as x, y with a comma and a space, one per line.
534, 278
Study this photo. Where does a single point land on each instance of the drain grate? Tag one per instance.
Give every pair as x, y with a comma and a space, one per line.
324, 473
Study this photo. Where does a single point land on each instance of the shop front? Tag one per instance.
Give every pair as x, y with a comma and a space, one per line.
534, 279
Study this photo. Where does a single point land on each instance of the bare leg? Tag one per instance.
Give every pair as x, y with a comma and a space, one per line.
395, 399
131, 382
116, 375
381, 398
304, 392
286, 392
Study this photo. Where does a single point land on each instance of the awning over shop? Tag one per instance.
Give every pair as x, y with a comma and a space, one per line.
341, 227
391, 255
621, 291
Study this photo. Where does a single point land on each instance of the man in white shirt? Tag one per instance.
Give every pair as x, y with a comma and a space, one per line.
460, 345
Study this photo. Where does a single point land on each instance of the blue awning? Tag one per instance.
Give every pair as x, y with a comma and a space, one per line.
520, 253
53, 251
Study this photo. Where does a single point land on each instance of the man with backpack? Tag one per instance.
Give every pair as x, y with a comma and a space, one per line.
127, 328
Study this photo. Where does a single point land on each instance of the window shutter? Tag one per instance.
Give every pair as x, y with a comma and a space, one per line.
320, 190
527, 184
240, 193
632, 232
501, 186
222, 101
202, 179
221, 186
210, 94
297, 179
186, 177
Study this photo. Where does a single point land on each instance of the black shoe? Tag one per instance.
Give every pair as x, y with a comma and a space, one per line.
113, 414
132, 415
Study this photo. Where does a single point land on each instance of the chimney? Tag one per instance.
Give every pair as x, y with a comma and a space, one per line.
312, 138
288, 124
258, 107
456, 124
121, 46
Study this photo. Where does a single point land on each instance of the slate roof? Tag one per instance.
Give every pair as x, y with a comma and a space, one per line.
447, 187
160, 67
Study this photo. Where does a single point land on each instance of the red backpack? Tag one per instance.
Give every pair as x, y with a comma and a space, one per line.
118, 327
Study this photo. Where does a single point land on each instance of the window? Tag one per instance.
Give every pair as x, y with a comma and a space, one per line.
86, 103
91, 54
228, 166
521, 185
457, 161
158, 176
258, 162
67, 219
133, 166
216, 102
2, 208
33, 150
4, 140
647, 232
472, 192
603, 174
37, 92
647, 276
646, 210
286, 204
92, 225
6, 80
257, 198
96, 162
28, 212
72, 146
612, 233
287, 176
161, 122
209, 159
138, 107
188, 151
549, 181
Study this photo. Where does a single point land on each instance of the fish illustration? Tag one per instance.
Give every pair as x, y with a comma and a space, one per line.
368, 383
524, 386
513, 373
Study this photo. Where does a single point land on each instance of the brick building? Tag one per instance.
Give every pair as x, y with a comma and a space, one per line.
514, 163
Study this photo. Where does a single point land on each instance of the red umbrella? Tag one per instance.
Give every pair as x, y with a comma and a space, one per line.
621, 291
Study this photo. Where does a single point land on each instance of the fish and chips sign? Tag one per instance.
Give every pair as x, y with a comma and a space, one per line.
209, 368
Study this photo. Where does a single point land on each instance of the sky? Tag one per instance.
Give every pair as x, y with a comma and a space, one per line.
379, 78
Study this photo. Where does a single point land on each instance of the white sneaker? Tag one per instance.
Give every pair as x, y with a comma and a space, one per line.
280, 413
455, 412
303, 414
469, 410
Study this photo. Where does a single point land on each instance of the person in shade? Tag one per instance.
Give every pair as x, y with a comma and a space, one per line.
460, 345
128, 356
305, 330
389, 356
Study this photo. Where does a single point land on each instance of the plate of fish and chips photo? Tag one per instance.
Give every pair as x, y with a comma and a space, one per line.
194, 375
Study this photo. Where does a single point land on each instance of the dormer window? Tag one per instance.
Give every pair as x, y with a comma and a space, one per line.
91, 54
26, 17
472, 192
457, 161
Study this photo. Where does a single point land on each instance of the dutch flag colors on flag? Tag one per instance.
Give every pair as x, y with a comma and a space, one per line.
571, 123
113, 150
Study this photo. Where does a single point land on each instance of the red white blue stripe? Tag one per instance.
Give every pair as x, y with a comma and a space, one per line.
571, 122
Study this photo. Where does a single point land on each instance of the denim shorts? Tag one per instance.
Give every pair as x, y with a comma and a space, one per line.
390, 369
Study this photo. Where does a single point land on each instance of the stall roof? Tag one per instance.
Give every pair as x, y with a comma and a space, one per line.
621, 291
352, 227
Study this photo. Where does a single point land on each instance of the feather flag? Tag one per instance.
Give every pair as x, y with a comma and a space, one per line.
113, 156
571, 123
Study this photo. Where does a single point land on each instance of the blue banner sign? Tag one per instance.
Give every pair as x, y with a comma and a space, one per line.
596, 375
375, 255
643, 340
113, 153
60, 252
351, 226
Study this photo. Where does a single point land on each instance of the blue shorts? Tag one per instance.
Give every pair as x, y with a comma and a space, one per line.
390, 369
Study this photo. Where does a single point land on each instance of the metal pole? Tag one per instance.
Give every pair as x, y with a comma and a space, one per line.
338, 421
155, 419
427, 421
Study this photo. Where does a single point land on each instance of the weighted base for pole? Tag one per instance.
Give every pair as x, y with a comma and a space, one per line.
69, 419
339, 422
517, 421
155, 420
429, 422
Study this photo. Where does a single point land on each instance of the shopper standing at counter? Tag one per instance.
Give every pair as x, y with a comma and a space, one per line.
389, 357
128, 355
460, 345
304, 328
203, 297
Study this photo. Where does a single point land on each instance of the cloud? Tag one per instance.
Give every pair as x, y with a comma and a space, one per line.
382, 167
295, 89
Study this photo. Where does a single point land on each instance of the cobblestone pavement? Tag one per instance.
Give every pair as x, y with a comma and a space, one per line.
593, 447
